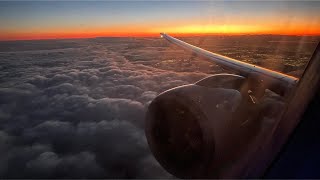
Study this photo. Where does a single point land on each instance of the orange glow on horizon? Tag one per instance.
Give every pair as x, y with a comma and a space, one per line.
226, 29
61, 20
183, 30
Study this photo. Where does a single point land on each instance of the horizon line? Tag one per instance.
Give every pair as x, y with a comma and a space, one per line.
153, 35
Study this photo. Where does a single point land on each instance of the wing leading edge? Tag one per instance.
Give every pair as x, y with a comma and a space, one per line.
279, 80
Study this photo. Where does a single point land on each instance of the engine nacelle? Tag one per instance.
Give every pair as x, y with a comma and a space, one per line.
195, 131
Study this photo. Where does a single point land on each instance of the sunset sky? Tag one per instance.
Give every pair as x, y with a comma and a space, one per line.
46, 20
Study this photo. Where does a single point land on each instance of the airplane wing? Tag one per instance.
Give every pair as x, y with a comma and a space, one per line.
276, 81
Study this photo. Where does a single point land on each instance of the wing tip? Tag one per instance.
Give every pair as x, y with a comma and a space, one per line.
162, 34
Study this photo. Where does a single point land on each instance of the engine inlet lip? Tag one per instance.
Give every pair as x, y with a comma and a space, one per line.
200, 168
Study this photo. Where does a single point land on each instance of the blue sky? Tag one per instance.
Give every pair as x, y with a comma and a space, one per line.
57, 16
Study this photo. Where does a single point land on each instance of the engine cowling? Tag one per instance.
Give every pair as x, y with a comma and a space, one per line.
195, 131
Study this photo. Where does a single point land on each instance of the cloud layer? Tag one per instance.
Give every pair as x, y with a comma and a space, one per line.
79, 112
75, 108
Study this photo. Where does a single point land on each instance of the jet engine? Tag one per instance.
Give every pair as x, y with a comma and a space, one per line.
196, 130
